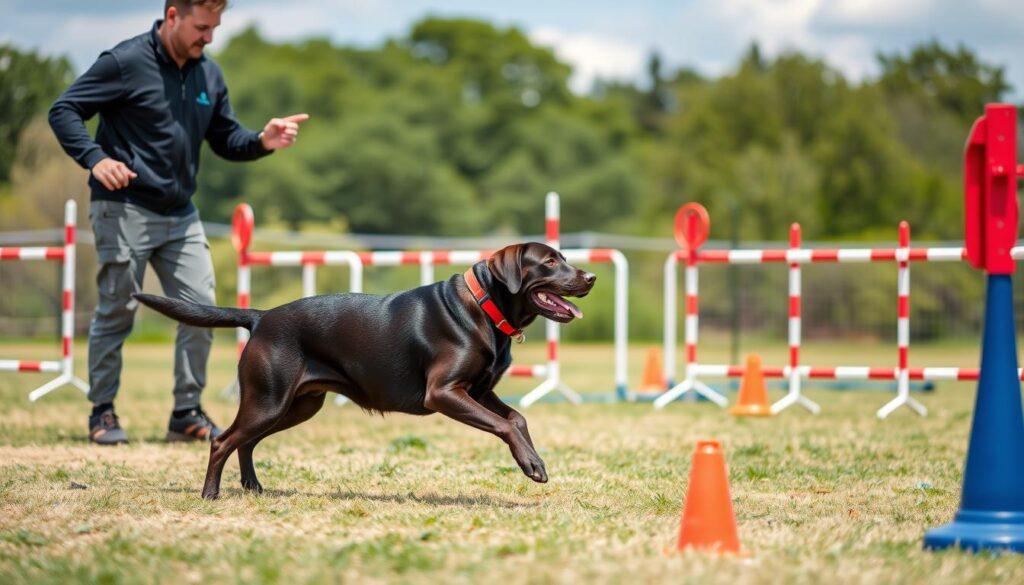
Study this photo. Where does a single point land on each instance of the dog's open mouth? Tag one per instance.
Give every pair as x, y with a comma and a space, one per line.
555, 307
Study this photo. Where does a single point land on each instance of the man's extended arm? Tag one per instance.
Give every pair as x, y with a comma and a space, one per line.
228, 138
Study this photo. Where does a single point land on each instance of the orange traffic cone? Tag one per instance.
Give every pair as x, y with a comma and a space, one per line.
753, 400
654, 378
708, 521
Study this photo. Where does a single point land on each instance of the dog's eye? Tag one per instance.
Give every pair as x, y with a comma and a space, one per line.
551, 262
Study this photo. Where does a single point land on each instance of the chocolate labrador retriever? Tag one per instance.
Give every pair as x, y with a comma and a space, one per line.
436, 348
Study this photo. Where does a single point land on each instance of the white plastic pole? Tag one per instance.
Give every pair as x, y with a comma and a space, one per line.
308, 280
669, 333
621, 325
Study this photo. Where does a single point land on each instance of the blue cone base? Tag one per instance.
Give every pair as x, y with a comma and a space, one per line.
995, 531
991, 515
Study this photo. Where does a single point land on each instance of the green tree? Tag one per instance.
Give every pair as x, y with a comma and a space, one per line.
492, 63
29, 83
955, 78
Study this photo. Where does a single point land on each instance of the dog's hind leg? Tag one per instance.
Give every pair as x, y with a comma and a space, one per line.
302, 409
267, 386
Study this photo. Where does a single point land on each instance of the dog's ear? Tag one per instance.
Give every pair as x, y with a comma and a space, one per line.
507, 266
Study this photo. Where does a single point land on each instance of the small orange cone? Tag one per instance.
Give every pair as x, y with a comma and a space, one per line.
708, 521
753, 400
654, 378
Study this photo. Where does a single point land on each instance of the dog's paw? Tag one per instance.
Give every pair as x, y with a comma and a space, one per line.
529, 461
252, 486
534, 469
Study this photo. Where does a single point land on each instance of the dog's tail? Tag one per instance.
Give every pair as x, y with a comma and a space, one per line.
201, 315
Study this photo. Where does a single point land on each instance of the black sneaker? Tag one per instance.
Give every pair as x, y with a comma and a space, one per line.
105, 430
194, 425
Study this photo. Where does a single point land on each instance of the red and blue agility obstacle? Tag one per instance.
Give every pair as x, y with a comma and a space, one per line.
991, 515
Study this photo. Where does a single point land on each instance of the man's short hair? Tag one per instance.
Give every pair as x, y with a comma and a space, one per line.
185, 6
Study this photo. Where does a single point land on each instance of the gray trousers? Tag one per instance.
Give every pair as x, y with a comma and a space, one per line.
127, 238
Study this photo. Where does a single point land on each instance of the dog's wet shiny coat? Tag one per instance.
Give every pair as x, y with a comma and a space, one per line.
429, 349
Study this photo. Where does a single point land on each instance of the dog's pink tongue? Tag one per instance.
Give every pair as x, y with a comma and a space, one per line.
576, 312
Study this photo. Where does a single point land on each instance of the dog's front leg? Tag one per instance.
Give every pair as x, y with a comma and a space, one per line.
452, 400
496, 405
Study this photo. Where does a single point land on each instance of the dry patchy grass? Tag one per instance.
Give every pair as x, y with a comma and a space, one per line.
840, 497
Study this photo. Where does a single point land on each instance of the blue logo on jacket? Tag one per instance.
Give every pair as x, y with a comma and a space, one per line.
203, 100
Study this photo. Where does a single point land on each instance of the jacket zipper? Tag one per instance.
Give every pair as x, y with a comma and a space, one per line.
177, 171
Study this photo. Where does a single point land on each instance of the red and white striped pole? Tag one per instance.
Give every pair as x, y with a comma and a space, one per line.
794, 302
552, 234
67, 321
242, 225
795, 321
67, 316
691, 320
552, 229
692, 227
903, 330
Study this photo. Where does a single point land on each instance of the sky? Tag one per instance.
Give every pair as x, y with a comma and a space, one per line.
610, 39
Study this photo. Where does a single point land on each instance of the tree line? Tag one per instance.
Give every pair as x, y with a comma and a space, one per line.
459, 127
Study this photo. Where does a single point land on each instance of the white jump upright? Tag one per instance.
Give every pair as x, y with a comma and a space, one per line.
242, 227
903, 330
795, 256
688, 220
64, 367
794, 396
552, 229
427, 260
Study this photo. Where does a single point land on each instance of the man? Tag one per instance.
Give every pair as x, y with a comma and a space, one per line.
158, 98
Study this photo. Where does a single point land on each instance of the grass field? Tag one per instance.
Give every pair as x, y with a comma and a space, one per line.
840, 497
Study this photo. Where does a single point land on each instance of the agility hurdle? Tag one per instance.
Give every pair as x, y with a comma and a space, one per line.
243, 223
66, 255
692, 226
427, 260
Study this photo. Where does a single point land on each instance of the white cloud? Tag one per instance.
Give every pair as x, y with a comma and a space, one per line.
79, 30
609, 39
592, 56
301, 18
873, 12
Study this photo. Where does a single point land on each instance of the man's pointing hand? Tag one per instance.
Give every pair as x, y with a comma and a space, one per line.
282, 132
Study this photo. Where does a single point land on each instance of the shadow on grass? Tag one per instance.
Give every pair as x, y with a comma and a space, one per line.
409, 497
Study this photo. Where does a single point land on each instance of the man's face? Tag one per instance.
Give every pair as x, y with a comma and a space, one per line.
191, 32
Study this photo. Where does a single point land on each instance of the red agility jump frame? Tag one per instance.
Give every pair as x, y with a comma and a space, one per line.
66, 255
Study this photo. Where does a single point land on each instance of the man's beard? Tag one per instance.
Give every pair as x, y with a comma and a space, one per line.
193, 51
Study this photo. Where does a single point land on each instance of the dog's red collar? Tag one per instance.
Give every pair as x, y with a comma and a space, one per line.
483, 298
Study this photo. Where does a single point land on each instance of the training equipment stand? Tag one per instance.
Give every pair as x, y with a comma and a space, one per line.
692, 225
991, 515
66, 255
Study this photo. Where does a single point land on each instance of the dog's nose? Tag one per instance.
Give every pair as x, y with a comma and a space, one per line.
590, 277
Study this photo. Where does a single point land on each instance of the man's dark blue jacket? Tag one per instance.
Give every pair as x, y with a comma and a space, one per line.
153, 118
